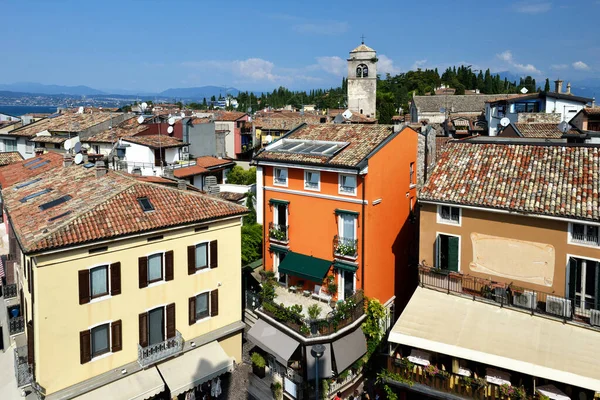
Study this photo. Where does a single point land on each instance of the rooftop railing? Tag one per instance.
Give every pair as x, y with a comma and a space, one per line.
10, 291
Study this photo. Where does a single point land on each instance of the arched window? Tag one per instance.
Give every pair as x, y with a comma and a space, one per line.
365, 71
359, 71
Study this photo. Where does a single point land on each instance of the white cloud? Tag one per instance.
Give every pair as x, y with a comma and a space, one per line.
322, 28
334, 65
535, 7
507, 57
559, 67
580, 65
255, 69
385, 65
418, 64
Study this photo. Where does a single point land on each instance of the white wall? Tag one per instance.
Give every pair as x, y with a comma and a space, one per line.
6, 117
566, 108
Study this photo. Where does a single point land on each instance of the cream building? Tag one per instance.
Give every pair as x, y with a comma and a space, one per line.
362, 81
129, 289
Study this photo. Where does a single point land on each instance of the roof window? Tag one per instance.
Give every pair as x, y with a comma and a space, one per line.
36, 166
145, 204
33, 195
35, 160
55, 202
22, 185
59, 216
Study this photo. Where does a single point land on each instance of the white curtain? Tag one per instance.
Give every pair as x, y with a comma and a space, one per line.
201, 259
99, 280
348, 226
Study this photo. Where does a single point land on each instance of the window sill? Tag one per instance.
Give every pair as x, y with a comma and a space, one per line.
201, 271
280, 184
99, 299
312, 189
198, 321
100, 357
448, 222
583, 244
153, 284
350, 194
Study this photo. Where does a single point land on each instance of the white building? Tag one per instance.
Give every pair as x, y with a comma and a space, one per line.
150, 154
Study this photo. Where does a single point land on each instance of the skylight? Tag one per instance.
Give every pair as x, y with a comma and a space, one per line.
59, 216
54, 203
22, 185
36, 166
28, 163
33, 195
145, 204
314, 147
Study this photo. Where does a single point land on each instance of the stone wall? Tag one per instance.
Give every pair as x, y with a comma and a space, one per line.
431, 154
579, 121
539, 117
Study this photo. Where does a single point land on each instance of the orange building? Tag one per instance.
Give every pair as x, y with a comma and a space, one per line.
336, 203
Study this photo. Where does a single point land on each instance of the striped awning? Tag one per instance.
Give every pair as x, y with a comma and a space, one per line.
2, 275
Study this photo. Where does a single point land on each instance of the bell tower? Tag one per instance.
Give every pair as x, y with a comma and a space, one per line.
362, 80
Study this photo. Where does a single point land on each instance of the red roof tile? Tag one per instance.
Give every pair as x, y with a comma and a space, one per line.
70, 122
203, 165
128, 127
540, 130
20, 171
155, 141
229, 115
9, 157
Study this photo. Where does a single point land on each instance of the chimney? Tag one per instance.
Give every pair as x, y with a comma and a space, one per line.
181, 184
39, 151
100, 169
568, 88
558, 86
67, 160
168, 172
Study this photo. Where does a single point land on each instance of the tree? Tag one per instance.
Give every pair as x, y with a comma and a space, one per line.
547, 85
251, 217
251, 243
239, 176
385, 107
204, 104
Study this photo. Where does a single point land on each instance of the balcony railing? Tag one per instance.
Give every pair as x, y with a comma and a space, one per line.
585, 238
510, 295
345, 247
16, 325
23, 371
10, 291
157, 352
347, 189
278, 232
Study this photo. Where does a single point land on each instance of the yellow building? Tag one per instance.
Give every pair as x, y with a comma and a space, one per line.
129, 286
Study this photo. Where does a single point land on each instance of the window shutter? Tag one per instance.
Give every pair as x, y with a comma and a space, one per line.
84, 286
31, 289
214, 254
117, 336
453, 253
85, 346
144, 329
28, 275
143, 271
214, 303
115, 278
191, 260
169, 265
597, 294
30, 344
171, 321
573, 273
437, 258
192, 310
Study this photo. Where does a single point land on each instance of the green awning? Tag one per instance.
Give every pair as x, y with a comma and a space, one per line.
280, 249
344, 266
349, 212
276, 201
306, 267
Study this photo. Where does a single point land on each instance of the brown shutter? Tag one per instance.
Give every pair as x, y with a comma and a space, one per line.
214, 303
85, 346
117, 336
171, 320
84, 286
191, 260
115, 278
30, 344
214, 254
31, 285
169, 265
192, 310
143, 270
144, 329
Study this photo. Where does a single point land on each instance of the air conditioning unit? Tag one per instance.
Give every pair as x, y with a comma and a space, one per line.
526, 299
595, 317
558, 306
185, 156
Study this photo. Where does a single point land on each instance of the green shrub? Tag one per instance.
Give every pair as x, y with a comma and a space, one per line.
314, 310
258, 360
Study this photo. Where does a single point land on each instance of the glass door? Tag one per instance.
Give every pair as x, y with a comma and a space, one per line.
156, 325
348, 283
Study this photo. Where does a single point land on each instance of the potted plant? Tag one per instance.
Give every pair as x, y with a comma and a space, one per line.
332, 289
314, 310
258, 365
277, 390
513, 392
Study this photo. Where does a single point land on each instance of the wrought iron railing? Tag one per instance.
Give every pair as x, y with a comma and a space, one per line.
510, 295
345, 247
447, 215
278, 232
23, 371
154, 353
10, 291
347, 189
585, 238
16, 325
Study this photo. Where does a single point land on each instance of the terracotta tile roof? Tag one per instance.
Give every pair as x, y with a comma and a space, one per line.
540, 130
102, 208
550, 179
361, 139
21, 171
591, 110
9, 157
50, 139
231, 196
70, 122
500, 97
203, 165
4, 124
197, 120
455, 103
156, 141
228, 115
356, 117
128, 127
209, 161
285, 122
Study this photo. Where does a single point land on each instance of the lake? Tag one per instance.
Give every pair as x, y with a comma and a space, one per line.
21, 110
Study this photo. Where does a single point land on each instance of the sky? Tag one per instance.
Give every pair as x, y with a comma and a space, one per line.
154, 45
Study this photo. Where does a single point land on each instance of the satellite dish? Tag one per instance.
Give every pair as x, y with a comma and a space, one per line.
144, 106
564, 127
249, 110
347, 114
78, 158
182, 115
524, 90
171, 121
269, 138
338, 119
140, 119
77, 147
68, 145
505, 122
170, 129
80, 110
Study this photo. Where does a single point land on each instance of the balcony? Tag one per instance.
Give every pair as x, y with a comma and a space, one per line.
511, 296
10, 291
160, 351
23, 371
585, 238
16, 325
278, 233
345, 247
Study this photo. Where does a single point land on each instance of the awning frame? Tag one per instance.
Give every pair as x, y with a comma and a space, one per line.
289, 266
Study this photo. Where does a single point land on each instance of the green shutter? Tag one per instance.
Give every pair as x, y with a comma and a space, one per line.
597, 294
453, 253
572, 278
339, 211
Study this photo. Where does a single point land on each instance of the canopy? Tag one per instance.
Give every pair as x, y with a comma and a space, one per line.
345, 266
138, 386
505, 338
349, 349
195, 367
273, 341
306, 267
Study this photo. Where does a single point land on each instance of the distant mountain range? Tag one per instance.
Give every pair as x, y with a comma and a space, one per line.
38, 88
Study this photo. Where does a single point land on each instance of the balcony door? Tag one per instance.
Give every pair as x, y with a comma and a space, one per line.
346, 284
156, 326
347, 227
583, 284
448, 249
281, 215
277, 259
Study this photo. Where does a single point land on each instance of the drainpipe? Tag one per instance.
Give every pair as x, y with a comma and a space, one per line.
264, 220
362, 252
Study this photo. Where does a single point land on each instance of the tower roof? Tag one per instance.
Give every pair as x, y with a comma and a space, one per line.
362, 47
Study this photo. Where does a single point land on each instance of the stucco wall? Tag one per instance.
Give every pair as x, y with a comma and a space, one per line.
362, 92
202, 140
60, 317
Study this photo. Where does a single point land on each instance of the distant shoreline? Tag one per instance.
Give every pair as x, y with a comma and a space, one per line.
17, 111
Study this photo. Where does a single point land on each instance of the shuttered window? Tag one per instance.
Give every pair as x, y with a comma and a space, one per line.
202, 255
99, 340
99, 281
447, 248
203, 305
169, 270
214, 303
115, 278
94, 282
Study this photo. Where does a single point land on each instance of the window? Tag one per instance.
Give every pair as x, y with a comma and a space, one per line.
100, 340
346, 244
99, 281
155, 269
583, 284
347, 184
10, 145
96, 149
145, 204
365, 72
412, 173
55, 202
584, 234
358, 72
202, 306
34, 195
280, 176
447, 249
202, 256
347, 229
526, 107
156, 325
345, 284
312, 180
28, 147
278, 258
449, 215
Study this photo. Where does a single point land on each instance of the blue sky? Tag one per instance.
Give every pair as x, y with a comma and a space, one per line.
259, 45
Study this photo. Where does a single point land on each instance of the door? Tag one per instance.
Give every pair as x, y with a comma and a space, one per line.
281, 277
156, 325
448, 250
348, 283
159, 157
583, 284
281, 215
